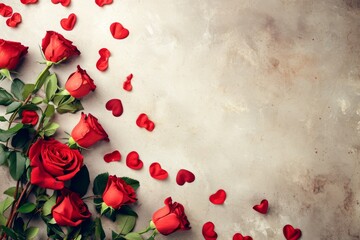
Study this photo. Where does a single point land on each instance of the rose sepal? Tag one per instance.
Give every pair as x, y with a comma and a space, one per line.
5, 73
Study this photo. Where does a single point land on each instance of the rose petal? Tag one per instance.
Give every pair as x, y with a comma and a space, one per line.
114, 156
14, 20
291, 233
5, 10
115, 106
157, 172
102, 63
133, 161
218, 197
144, 122
184, 176
262, 207
208, 231
101, 3
118, 31
238, 236
127, 84
65, 3
28, 1
68, 23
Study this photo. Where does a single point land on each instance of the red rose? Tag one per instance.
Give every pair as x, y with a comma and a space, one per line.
118, 193
55, 47
53, 163
70, 210
79, 83
11, 53
29, 117
88, 131
170, 218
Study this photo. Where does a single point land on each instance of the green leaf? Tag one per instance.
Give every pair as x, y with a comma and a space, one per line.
30, 106
17, 88
16, 165
126, 223
27, 207
70, 108
13, 107
50, 129
10, 233
41, 80
21, 138
51, 86
126, 210
31, 233
100, 183
99, 231
80, 182
5, 97
49, 111
28, 88
6, 134
46, 209
3, 119
133, 236
19, 226
3, 220
132, 182
10, 191
4, 154
5, 204
37, 100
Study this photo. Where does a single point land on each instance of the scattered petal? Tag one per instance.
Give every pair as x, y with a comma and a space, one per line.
218, 197
68, 23
208, 231
291, 233
115, 106
127, 84
144, 122
5, 10
65, 3
238, 236
157, 172
184, 176
14, 20
28, 1
118, 31
101, 3
114, 156
103, 62
262, 207
133, 161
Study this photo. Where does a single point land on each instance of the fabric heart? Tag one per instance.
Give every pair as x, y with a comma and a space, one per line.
5, 10
184, 176
115, 106
118, 31
144, 122
114, 156
68, 23
238, 236
127, 84
157, 172
208, 231
14, 20
29, 1
218, 197
133, 161
103, 62
290, 233
101, 3
65, 3
262, 207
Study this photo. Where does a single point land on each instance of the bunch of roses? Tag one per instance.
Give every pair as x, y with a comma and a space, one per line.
51, 176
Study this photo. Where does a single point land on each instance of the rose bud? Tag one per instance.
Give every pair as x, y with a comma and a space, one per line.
53, 163
56, 48
29, 117
88, 131
118, 193
70, 210
11, 53
170, 218
79, 83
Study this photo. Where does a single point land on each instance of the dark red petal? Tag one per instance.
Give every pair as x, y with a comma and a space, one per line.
118, 31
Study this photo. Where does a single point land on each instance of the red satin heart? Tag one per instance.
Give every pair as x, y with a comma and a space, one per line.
184, 176
157, 172
144, 122
238, 236
68, 23
101, 3
262, 207
115, 106
218, 197
118, 31
127, 84
208, 231
290, 233
14, 20
103, 62
114, 156
133, 161
65, 3
5, 10
29, 1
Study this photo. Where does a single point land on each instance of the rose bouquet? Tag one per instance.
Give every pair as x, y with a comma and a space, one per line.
51, 176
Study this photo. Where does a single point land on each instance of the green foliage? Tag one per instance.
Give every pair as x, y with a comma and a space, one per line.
31, 233
51, 86
41, 80
12, 107
80, 182
4, 154
5, 97
16, 164
50, 129
99, 231
3, 119
132, 182
49, 111
28, 89
17, 89
100, 183
126, 210
37, 100
22, 138
6, 134
72, 107
10, 191
46, 209
27, 207
125, 223
133, 236
5, 204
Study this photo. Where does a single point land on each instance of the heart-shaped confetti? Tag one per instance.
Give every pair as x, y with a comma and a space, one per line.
127, 84
14, 20
291, 233
103, 62
143, 121
114, 156
262, 207
184, 176
5, 10
101, 3
29, 1
208, 231
65, 3
238, 236
133, 161
218, 197
115, 106
157, 172
68, 23
118, 31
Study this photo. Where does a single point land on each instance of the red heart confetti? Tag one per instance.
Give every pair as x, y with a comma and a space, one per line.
65, 3
5, 10
68, 23
184, 176
291, 233
208, 231
238, 236
114, 156
118, 31
115, 106
29, 1
133, 161
157, 172
14, 20
127, 84
101, 3
218, 197
262, 207
144, 122
103, 62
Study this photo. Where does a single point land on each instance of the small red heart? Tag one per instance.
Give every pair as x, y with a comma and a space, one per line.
133, 161
68, 23
144, 122
29, 1
65, 3
103, 62
127, 84
262, 207
101, 3
157, 172
5, 10
218, 197
290, 233
14, 20
118, 31
208, 231
238, 236
115, 106
114, 156
184, 176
